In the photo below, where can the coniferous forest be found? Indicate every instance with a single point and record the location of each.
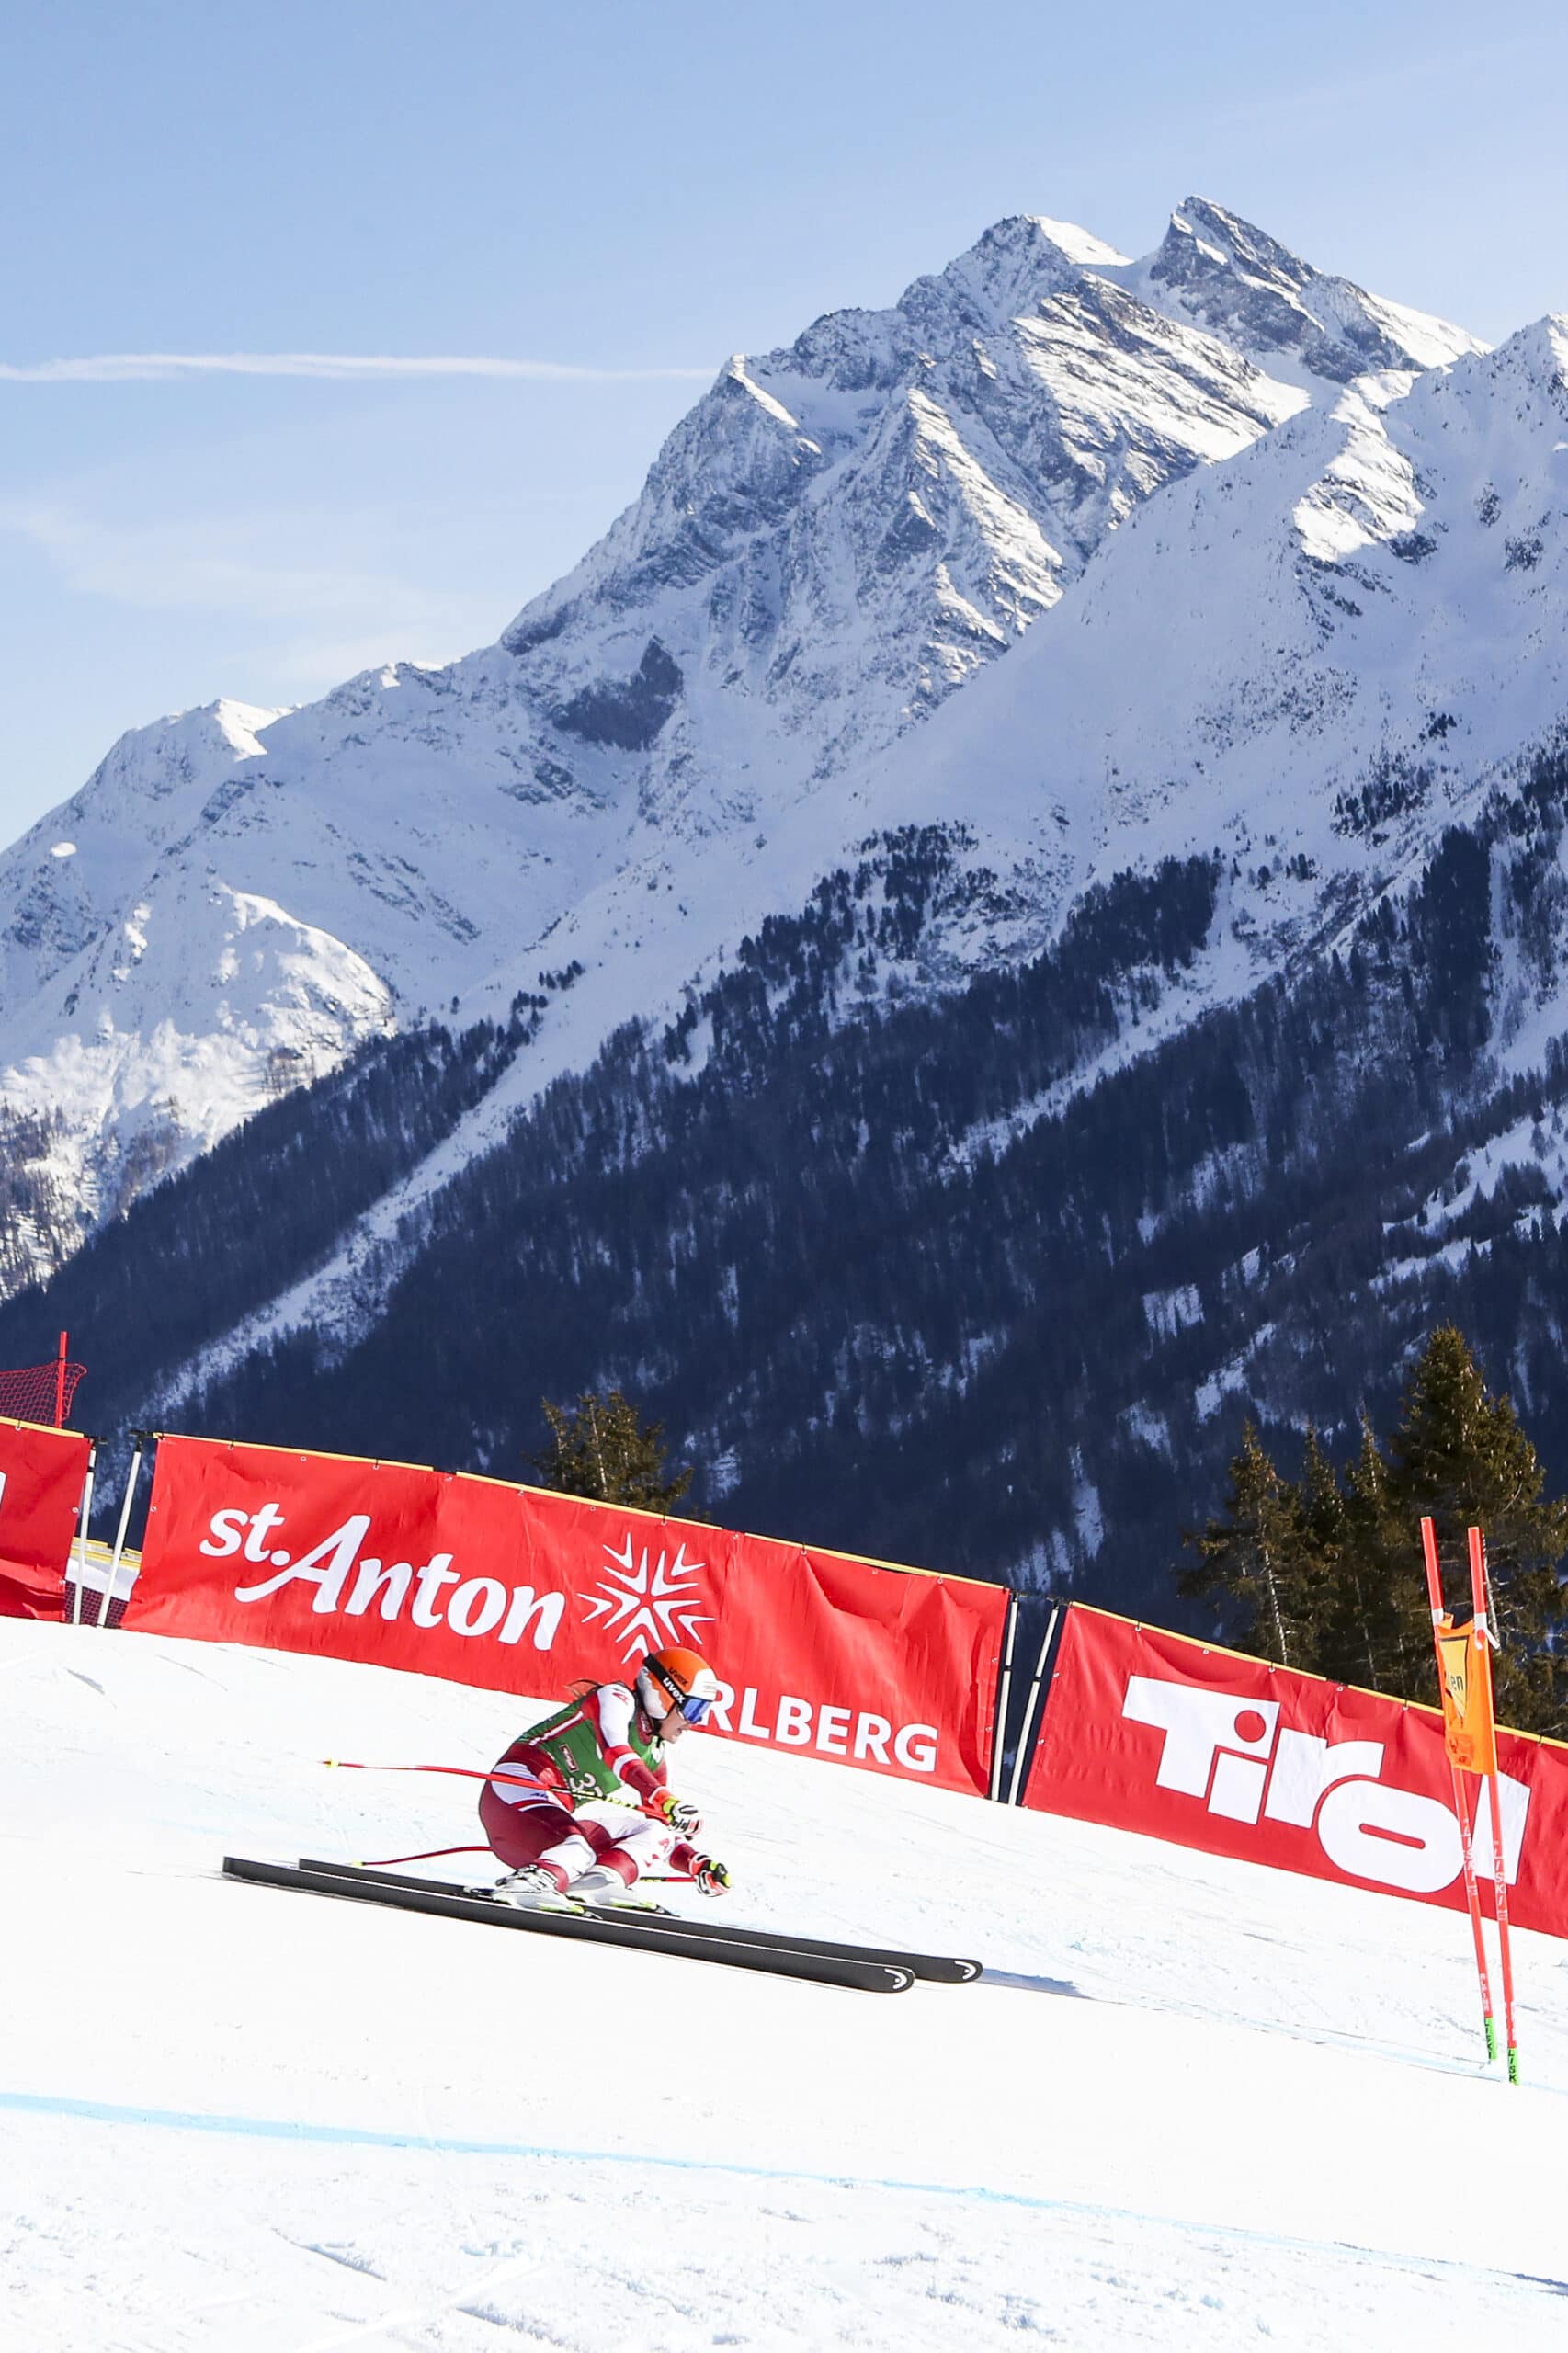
(1320, 1572)
(956, 1277)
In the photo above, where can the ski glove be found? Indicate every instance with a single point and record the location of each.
(712, 1878)
(678, 1813)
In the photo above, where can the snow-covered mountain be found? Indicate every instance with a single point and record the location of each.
(1314, 658)
(1213, 944)
(716, 705)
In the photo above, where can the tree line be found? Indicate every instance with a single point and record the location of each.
(1324, 1572)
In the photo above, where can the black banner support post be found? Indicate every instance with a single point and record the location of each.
(131, 1477)
(1004, 1688)
(82, 1530)
(1024, 1751)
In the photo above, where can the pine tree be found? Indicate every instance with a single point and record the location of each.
(1374, 1632)
(1460, 1456)
(1323, 1505)
(1328, 1576)
(601, 1449)
(1258, 1557)
(1326, 1523)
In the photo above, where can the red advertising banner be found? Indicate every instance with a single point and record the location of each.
(1147, 1731)
(42, 1474)
(517, 1590)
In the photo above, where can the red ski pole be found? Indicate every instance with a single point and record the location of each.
(467, 1773)
(1441, 1625)
(1483, 1639)
(462, 1773)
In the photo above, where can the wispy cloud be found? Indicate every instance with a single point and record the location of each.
(285, 595)
(1452, 72)
(270, 565)
(167, 367)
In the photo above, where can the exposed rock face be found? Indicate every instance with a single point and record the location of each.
(1241, 285)
(678, 736)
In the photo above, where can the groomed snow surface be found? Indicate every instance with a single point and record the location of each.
(1198, 2105)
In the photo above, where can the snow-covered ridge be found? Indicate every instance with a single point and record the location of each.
(1220, 270)
(687, 729)
(1341, 639)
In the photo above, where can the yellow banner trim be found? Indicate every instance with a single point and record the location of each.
(518, 1487)
(1542, 1739)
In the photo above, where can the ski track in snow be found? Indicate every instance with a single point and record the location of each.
(239, 2120)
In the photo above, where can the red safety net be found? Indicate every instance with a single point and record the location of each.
(34, 1393)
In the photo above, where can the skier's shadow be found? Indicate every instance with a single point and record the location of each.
(1008, 1977)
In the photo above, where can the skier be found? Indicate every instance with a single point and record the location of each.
(580, 1806)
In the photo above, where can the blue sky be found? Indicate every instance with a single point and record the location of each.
(630, 192)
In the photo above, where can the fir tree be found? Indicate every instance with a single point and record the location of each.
(1460, 1456)
(1258, 1557)
(601, 1449)
(1325, 1521)
(1323, 1505)
(1328, 1576)
(1374, 1629)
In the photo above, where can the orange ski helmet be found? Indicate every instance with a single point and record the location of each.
(676, 1683)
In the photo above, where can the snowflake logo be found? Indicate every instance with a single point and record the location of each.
(647, 1603)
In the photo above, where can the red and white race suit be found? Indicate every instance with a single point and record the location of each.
(531, 1813)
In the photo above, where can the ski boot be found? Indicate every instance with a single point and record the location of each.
(533, 1887)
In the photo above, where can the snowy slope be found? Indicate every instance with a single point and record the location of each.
(1312, 659)
(1197, 2105)
(1341, 640)
(837, 537)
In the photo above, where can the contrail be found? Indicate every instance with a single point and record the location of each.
(153, 367)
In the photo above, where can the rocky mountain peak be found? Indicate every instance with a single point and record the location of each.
(838, 536)
(1005, 274)
(1204, 239)
(1221, 271)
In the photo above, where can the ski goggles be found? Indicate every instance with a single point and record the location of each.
(696, 1711)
